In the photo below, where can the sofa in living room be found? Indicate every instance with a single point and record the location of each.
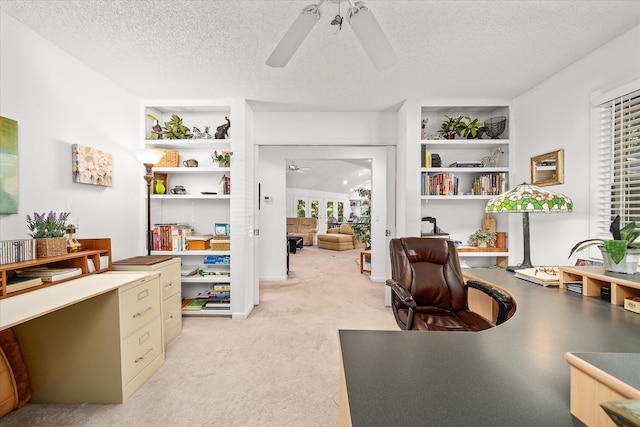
(340, 239)
(303, 227)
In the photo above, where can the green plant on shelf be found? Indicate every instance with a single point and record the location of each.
(483, 237)
(623, 239)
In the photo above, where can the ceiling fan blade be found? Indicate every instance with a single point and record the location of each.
(294, 36)
(371, 36)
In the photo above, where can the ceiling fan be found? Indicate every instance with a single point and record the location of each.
(364, 25)
(295, 168)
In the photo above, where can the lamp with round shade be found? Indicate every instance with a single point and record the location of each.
(526, 198)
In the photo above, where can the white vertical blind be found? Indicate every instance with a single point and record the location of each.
(618, 188)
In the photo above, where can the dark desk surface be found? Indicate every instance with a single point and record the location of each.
(513, 374)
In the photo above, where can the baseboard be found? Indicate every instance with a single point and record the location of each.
(272, 278)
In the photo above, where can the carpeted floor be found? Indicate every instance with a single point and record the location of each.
(280, 367)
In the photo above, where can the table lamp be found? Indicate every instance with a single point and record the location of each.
(149, 157)
(527, 198)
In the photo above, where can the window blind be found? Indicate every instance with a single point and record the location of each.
(618, 190)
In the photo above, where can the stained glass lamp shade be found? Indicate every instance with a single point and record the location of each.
(527, 198)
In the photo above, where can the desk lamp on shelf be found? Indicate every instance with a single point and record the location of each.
(149, 157)
(526, 198)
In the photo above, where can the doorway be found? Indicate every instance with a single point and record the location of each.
(272, 216)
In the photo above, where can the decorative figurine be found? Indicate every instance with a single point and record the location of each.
(493, 159)
(196, 133)
(207, 135)
(222, 131)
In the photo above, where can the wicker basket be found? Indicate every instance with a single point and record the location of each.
(52, 246)
(169, 160)
(221, 243)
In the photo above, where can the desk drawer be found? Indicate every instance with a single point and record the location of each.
(139, 305)
(140, 349)
(170, 280)
(172, 317)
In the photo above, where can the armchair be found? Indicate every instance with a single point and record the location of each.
(429, 292)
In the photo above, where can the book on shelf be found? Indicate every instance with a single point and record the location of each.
(16, 284)
(193, 304)
(188, 270)
(12, 251)
(543, 276)
(171, 236)
(50, 274)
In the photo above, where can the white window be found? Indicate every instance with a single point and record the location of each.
(618, 160)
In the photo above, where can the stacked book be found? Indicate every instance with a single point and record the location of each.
(30, 277)
(217, 260)
(574, 286)
(218, 294)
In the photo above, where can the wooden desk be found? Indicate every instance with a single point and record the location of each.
(595, 278)
(513, 374)
(95, 339)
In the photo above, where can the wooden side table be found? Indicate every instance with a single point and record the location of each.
(364, 256)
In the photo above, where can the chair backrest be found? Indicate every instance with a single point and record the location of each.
(429, 269)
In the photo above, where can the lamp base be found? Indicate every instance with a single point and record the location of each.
(522, 266)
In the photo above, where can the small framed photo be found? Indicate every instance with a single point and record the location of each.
(221, 229)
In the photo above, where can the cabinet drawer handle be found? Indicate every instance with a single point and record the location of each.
(143, 294)
(168, 285)
(169, 319)
(143, 356)
(140, 313)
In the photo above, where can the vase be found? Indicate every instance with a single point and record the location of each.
(628, 265)
(159, 186)
(51, 246)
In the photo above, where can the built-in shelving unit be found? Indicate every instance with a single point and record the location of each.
(204, 203)
(460, 211)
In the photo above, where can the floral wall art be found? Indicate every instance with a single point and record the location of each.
(8, 166)
(91, 166)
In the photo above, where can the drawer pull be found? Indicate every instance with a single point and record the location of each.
(169, 319)
(141, 313)
(143, 356)
(143, 294)
(168, 285)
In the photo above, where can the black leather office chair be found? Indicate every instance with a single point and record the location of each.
(429, 292)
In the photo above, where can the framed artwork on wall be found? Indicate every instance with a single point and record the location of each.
(91, 166)
(8, 166)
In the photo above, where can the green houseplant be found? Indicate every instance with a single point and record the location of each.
(224, 159)
(482, 238)
(472, 128)
(452, 127)
(617, 248)
(174, 129)
(362, 230)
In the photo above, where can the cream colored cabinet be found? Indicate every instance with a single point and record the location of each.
(98, 349)
(170, 288)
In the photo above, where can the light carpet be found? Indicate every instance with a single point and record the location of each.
(280, 367)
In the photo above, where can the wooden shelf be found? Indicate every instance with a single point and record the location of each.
(93, 250)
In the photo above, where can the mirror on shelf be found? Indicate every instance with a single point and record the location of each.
(548, 169)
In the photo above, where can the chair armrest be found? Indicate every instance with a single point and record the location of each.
(405, 297)
(505, 303)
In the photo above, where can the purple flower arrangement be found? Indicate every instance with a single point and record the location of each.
(43, 226)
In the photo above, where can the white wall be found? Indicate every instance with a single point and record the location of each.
(58, 102)
(554, 115)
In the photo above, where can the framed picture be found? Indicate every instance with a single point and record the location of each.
(91, 166)
(8, 166)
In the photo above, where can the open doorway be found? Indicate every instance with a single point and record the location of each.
(271, 174)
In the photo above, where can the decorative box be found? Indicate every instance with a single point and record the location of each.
(632, 304)
(51, 246)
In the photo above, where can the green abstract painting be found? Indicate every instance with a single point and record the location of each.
(8, 166)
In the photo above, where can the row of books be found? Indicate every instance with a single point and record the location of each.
(217, 260)
(490, 184)
(17, 250)
(171, 237)
(429, 159)
(31, 277)
(442, 184)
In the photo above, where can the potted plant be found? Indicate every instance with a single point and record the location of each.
(48, 231)
(452, 127)
(223, 159)
(174, 129)
(483, 238)
(621, 253)
(362, 229)
(472, 128)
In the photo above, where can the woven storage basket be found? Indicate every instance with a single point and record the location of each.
(221, 243)
(169, 160)
(52, 246)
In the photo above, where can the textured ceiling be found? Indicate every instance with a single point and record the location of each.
(179, 49)
(217, 49)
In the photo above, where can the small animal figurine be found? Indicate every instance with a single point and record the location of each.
(222, 131)
(196, 133)
(207, 135)
(493, 159)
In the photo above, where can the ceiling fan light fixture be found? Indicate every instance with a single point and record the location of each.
(370, 35)
(294, 36)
